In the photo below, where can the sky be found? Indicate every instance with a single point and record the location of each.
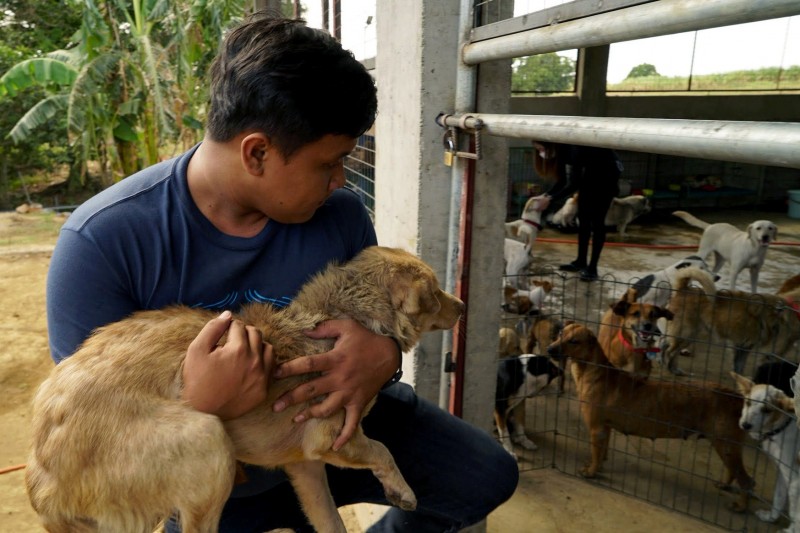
(769, 43)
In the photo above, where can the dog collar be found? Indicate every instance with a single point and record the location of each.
(770, 434)
(794, 306)
(628, 345)
(532, 223)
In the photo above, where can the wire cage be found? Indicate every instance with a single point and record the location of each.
(681, 474)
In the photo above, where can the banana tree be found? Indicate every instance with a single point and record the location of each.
(131, 87)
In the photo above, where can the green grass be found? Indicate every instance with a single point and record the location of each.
(765, 79)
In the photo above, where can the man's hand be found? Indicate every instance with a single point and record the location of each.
(231, 379)
(352, 374)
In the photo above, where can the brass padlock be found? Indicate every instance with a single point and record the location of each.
(449, 148)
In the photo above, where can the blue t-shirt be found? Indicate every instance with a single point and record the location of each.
(144, 244)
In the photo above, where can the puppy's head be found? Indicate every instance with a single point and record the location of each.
(419, 303)
(763, 232)
(639, 321)
(765, 407)
(576, 342)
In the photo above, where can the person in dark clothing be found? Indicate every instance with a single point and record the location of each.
(594, 173)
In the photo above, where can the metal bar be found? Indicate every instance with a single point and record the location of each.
(647, 20)
(760, 143)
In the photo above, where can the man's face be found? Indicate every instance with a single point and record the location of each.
(293, 190)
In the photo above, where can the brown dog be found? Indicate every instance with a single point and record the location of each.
(743, 319)
(115, 448)
(629, 334)
(544, 331)
(612, 399)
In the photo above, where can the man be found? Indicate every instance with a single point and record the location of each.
(250, 214)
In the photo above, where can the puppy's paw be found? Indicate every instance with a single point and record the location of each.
(405, 500)
(767, 515)
(588, 472)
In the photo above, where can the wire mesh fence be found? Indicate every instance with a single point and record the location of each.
(687, 473)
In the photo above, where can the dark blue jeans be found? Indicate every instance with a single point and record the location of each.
(458, 473)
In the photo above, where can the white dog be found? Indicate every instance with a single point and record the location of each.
(656, 288)
(520, 236)
(567, 216)
(767, 416)
(622, 211)
(527, 227)
(744, 249)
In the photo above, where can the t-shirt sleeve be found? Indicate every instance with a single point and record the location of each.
(83, 293)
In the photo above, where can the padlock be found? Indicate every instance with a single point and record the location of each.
(448, 159)
(449, 147)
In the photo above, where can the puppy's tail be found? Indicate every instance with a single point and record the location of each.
(687, 275)
(691, 219)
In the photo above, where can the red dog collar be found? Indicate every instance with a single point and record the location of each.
(629, 346)
(532, 223)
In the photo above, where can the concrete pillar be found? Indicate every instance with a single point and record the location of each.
(415, 71)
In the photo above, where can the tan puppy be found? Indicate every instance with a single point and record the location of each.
(610, 399)
(629, 334)
(742, 319)
(744, 249)
(544, 331)
(509, 343)
(116, 449)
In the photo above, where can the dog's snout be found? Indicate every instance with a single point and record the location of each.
(746, 426)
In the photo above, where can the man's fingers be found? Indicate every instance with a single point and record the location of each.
(302, 393)
(302, 365)
(351, 419)
(213, 331)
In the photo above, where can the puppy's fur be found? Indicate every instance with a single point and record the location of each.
(629, 334)
(742, 319)
(768, 415)
(744, 249)
(790, 285)
(623, 211)
(116, 449)
(567, 214)
(526, 302)
(527, 227)
(519, 378)
(509, 343)
(611, 399)
(656, 288)
(544, 331)
(517, 257)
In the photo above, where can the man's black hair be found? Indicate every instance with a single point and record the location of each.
(291, 82)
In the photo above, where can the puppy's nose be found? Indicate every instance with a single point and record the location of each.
(746, 425)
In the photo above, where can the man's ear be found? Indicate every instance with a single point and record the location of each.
(255, 148)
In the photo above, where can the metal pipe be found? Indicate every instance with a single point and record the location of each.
(466, 81)
(760, 143)
(664, 17)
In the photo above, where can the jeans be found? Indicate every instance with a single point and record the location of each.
(458, 473)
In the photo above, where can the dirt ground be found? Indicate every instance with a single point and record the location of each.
(546, 500)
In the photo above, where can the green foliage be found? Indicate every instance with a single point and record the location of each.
(544, 73)
(643, 70)
(763, 79)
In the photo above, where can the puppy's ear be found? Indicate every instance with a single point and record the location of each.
(742, 383)
(621, 307)
(785, 403)
(412, 296)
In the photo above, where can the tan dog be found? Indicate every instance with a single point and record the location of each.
(744, 249)
(116, 449)
(629, 334)
(543, 332)
(509, 343)
(610, 399)
(742, 319)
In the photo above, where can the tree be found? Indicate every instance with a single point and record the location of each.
(544, 73)
(643, 70)
(131, 84)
